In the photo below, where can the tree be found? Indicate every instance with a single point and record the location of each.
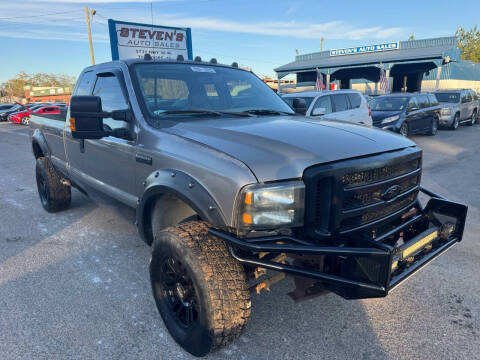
(411, 37)
(15, 87)
(469, 43)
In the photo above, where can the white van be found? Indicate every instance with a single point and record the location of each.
(344, 105)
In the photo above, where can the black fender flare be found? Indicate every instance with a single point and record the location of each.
(39, 143)
(184, 187)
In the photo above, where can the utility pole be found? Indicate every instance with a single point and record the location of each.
(321, 43)
(90, 33)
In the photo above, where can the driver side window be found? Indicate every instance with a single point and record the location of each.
(109, 89)
(325, 103)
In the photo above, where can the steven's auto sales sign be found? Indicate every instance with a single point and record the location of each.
(132, 40)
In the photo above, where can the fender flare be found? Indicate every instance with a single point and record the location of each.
(184, 187)
(38, 140)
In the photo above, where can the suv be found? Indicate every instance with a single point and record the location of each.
(406, 113)
(344, 105)
(458, 106)
(227, 183)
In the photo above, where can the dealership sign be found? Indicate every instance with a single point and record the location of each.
(133, 40)
(365, 49)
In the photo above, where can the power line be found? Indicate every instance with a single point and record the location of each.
(39, 15)
(16, 24)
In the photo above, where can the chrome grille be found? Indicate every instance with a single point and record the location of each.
(346, 196)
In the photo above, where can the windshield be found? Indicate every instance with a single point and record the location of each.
(170, 90)
(387, 103)
(308, 100)
(448, 97)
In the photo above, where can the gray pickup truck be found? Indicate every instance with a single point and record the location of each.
(234, 190)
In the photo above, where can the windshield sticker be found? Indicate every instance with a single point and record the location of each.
(202, 69)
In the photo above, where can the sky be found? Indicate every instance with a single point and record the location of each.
(50, 35)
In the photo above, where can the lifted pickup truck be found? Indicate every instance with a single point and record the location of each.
(234, 191)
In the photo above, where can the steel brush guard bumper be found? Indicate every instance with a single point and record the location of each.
(367, 271)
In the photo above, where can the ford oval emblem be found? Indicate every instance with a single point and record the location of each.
(391, 193)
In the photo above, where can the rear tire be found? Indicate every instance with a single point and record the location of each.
(201, 292)
(404, 130)
(54, 194)
(456, 122)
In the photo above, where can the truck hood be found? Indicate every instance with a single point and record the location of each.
(282, 147)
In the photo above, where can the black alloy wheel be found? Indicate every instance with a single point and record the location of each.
(176, 288)
(404, 129)
(43, 191)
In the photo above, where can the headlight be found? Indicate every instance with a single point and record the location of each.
(390, 119)
(447, 111)
(271, 206)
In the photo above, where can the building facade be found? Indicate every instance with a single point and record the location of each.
(408, 66)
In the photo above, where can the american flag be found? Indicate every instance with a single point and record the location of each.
(383, 81)
(319, 84)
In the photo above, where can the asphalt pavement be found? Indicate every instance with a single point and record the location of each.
(75, 285)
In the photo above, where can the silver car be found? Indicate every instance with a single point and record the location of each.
(458, 106)
(345, 105)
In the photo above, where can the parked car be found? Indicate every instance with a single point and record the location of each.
(227, 182)
(344, 105)
(23, 116)
(4, 113)
(458, 106)
(407, 114)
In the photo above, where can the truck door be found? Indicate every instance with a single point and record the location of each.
(109, 163)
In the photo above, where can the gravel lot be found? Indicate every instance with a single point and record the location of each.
(75, 285)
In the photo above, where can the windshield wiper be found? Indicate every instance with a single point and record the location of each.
(203, 112)
(266, 112)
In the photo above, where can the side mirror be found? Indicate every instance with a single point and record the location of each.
(86, 118)
(319, 111)
(299, 106)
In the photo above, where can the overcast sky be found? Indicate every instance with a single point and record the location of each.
(50, 36)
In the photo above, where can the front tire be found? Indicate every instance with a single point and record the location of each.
(404, 130)
(456, 122)
(55, 195)
(201, 292)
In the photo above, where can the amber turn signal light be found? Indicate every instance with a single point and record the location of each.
(72, 124)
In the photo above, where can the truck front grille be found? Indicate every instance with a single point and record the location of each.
(353, 194)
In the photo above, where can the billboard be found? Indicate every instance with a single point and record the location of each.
(132, 40)
(365, 49)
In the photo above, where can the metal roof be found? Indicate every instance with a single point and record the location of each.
(425, 49)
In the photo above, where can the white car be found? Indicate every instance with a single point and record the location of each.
(343, 105)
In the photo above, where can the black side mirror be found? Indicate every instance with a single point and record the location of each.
(299, 106)
(86, 118)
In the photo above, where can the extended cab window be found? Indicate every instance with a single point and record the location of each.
(109, 89)
(341, 102)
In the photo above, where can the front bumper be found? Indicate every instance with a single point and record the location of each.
(371, 270)
(446, 119)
